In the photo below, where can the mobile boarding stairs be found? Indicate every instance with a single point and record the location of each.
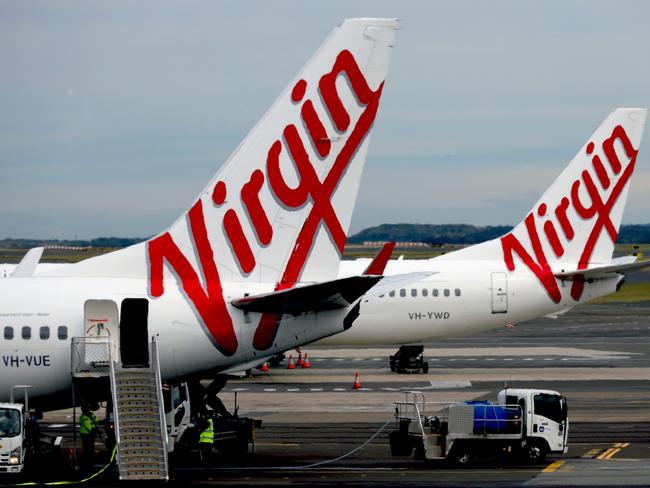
(138, 409)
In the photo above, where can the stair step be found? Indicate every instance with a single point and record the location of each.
(153, 433)
(139, 413)
(136, 404)
(129, 445)
(142, 450)
(136, 382)
(156, 462)
(148, 436)
(130, 459)
(154, 475)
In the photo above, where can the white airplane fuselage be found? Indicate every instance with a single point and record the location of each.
(467, 301)
(184, 347)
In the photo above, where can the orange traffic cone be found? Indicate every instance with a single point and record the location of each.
(291, 365)
(305, 363)
(265, 367)
(357, 384)
(299, 362)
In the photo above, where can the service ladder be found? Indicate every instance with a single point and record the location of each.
(139, 419)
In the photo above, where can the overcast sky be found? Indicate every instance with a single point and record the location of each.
(114, 114)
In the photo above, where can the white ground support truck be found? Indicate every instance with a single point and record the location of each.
(524, 422)
(20, 438)
(12, 436)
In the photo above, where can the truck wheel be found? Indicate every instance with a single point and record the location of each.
(460, 455)
(425, 368)
(535, 452)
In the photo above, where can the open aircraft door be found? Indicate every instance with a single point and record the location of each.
(134, 333)
(499, 293)
(101, 322)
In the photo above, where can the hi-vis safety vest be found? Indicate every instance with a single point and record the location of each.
(87, 424)
(207, 436)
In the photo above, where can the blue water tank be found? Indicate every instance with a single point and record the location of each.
(488, 418)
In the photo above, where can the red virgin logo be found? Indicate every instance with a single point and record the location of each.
(208, 301)
(597, 212)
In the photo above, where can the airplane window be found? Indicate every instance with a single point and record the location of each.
(9, 333)
(434, 292)
(457, 292)
(381, 296)
(425, 292)
(402, 292)
(62, 332)
(45, 333)
(414, 292)
(446, 292)
(27, 332)
(392, 293)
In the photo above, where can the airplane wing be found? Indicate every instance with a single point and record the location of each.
(328, 295)
(27, 265)
(619, 266)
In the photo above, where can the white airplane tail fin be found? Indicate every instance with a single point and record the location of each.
(280, 208)
(576, 221)
(578, 217)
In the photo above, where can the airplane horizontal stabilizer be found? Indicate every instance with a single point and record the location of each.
(27, 265)
(604, 271)
(328, 295)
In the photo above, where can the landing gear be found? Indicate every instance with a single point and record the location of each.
(202, 396)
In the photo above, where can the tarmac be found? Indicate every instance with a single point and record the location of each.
(314, 422)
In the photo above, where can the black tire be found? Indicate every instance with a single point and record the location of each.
(535, 452)
(460, 455)
(425, 368)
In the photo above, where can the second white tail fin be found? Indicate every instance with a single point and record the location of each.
(576, 221)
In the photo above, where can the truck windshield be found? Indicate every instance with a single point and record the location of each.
(550, 406)
(9, 422)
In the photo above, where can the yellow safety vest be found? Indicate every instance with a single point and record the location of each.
(207, 436)
(87, 424)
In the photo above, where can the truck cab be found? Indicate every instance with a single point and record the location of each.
(12, 436)
(545, 419)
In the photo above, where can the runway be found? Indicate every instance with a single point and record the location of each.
(598, 356)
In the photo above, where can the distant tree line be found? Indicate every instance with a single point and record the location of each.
(428, 233)
(468, 234)
(97, 242)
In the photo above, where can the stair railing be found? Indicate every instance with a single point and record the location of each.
(155, 363)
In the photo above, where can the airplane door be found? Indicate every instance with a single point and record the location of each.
(499, 293)
(100, 320)
(134, 333)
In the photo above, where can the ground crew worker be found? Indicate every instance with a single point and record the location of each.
(87, 432)
(206, 439)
